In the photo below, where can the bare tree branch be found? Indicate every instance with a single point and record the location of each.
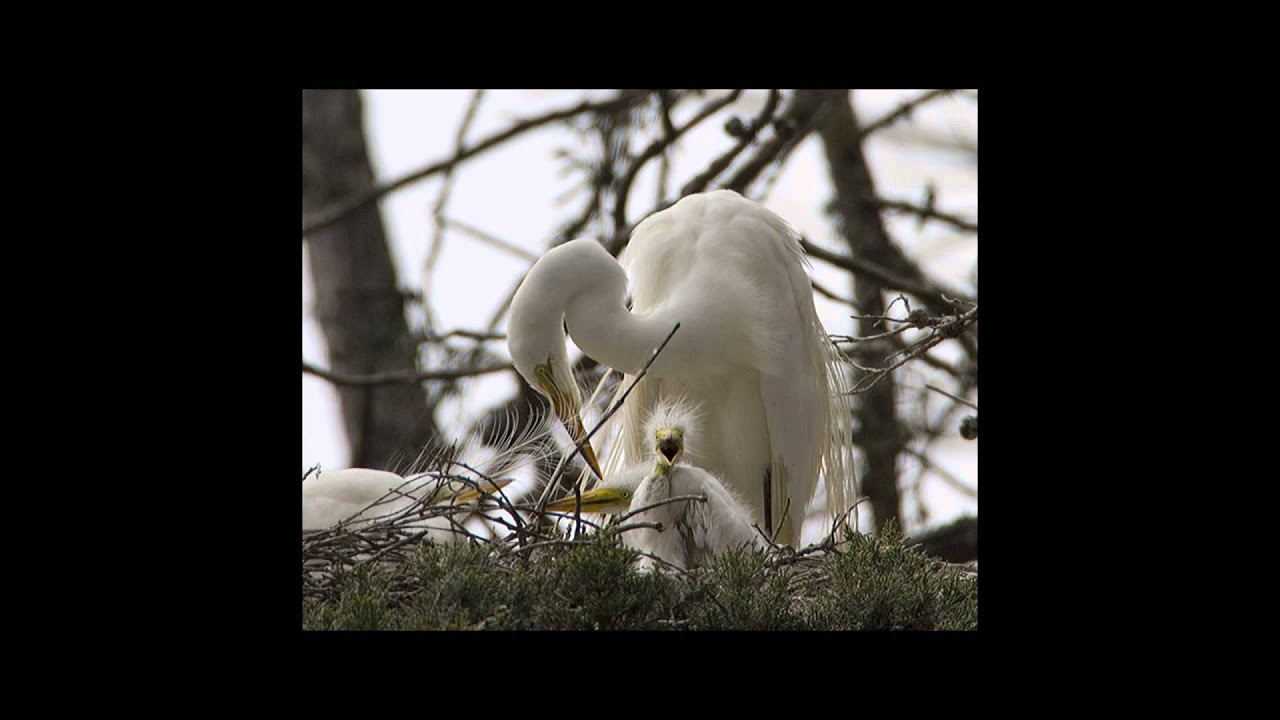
(476, 335)
(941, 329)
(927, 212)
(491, 240)
(882, 275)
(747, 135)
(437, 213)
(408, 377)
(953, 397)
(796, 122)
(332, 214)
(904, 110)
(942, 474)
(623, 189)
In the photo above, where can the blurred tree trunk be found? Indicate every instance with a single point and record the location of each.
(877, 431)
(357, 301)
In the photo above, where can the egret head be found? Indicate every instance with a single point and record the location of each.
(611, 497)
(671, 422)
(536, 339)
(669, 445)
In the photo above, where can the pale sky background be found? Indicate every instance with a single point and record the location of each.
(511, 192)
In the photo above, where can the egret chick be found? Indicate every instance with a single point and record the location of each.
(693, 532)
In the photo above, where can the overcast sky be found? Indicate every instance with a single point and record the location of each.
(512, 192)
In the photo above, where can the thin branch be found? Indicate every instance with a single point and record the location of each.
(822, 290)
(341, 209)
(903, 110)
(880, 274)
(489, 239)
(437, 213)
(941, 329)
(927, 212)
(953, 397)
(796, 123)
(395, 377)
(477, 335)
(943, 474)
(717, 166)
(623, 189)
(677, 498)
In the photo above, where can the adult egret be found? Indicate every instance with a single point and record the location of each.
(692, 531)
(365, 496)
(355, 493)
(750, 352)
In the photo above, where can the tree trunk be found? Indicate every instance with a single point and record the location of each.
(877, 429)
(357, 301)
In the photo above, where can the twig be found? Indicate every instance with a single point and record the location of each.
(941, 329)
(437, 213)
(491, 240)
(799, 119)
(927, 212)
(394, 377)
(943, 474)
(847, 339)
(619, 529)
(677, 498)
(477, 335)
(341, 209)
(785, 509)
(903, 110)
(623, 188)
(829, 294)
(717, 166)
(877, 273)
(953, 397)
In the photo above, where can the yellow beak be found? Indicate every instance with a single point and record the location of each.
(600, 500)
(470, 495)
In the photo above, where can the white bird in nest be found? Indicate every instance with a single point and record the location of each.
(692, 531)
(363, 496)
(751, 351)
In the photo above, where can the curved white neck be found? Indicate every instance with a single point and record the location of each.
(602, 326)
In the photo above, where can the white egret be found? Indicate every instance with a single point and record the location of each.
(351, 494)
(692, 531)
(751, 351)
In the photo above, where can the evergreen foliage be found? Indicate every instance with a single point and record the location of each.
(861, 583)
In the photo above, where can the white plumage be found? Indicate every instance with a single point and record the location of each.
(750, 351)
(351, 494)
(332, 496)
